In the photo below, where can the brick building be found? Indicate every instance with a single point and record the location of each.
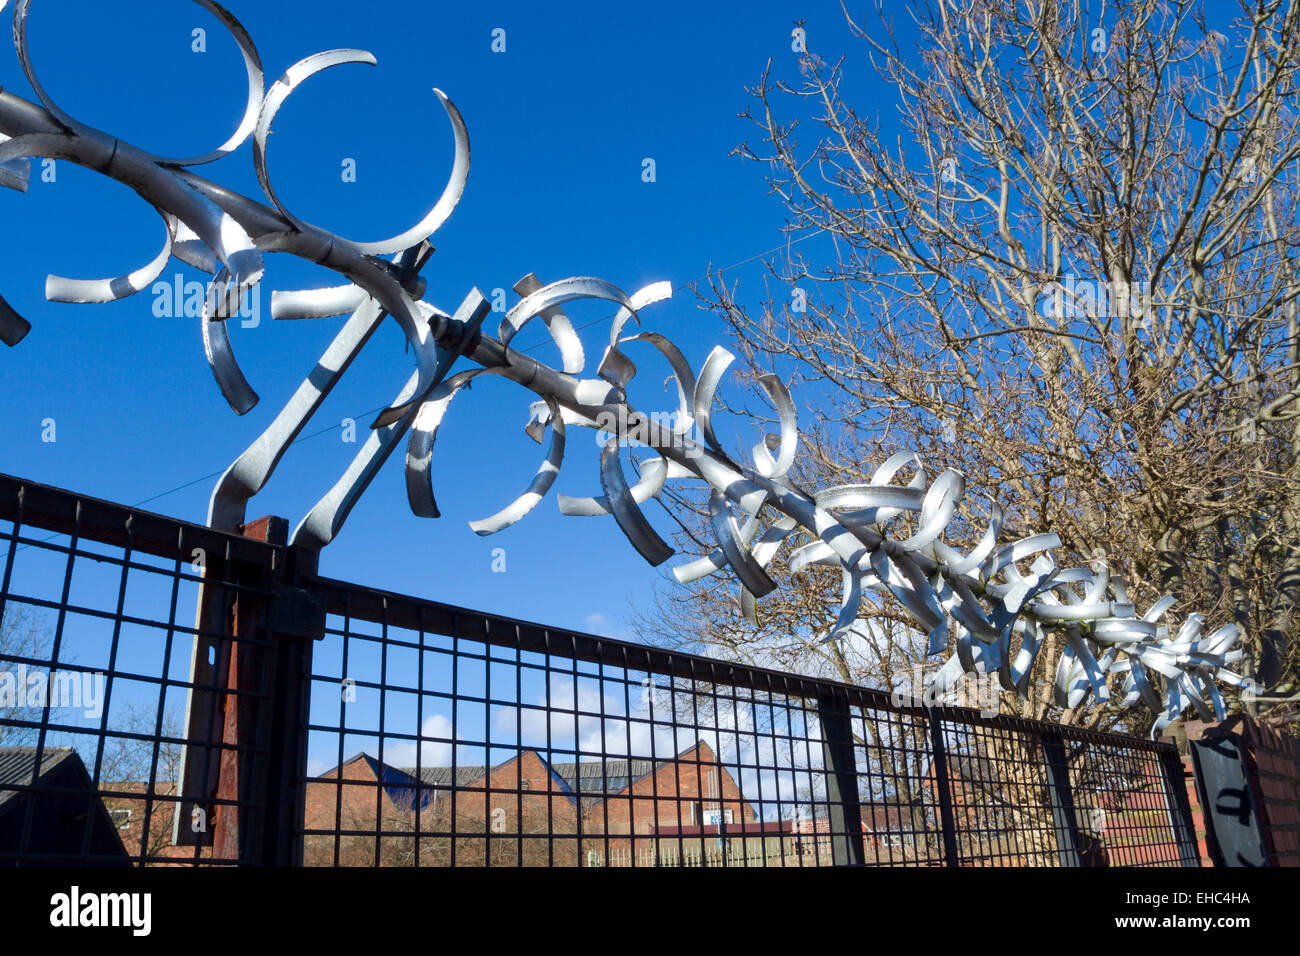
(158, 808)
(524, 810)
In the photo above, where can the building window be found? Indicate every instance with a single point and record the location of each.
(121, 818)
(524, 785)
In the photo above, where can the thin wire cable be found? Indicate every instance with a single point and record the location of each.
(529, 348)
(536, 345)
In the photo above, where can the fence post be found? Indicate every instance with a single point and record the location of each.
(244, 708)
(297, 621)
(263, 731)
(939, 758)
(1064, 818)
(847, 847)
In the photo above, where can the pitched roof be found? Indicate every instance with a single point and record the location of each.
(441, 776)
(590, 780)
(16, 764)
(975, 768)
(605, 777)
(62, 827)
(589, 775)
(894, 815)
(619, 775)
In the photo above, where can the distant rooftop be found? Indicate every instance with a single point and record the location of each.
(16, 765)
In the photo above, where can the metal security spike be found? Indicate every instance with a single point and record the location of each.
(988, 608)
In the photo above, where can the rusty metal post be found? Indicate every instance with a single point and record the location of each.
(297, 622)
(246, 734)
(206, 721)
(247, 676)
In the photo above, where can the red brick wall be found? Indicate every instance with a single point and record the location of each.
(1273, 769)
(626, 823)
(514, 827)
(1277, 774)
(159, 841)
(1198, 812)
(353, 808)
(350, 801)
(664, 798)
(537, 827)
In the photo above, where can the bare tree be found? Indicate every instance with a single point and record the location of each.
(139, 762)
(22, 638)
(1060, 261)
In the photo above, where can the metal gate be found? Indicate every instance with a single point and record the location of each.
(174, 695)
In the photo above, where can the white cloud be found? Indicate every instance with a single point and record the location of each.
(598, 623)
(433, 753)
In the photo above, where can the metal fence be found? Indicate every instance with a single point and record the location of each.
(97, 640)
(209, 699)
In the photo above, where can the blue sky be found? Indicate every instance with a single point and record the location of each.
(560, 124)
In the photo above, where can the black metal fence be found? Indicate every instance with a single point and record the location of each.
(208, 699)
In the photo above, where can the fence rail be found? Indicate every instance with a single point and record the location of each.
(304, 720)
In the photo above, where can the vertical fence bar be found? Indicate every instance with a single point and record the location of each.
(939, 761)
(260, 707)
(1179, 810)
(246, 719)
(200, 757)
(841, 781)
(1065, 819)
(297, 621)
(272, 666)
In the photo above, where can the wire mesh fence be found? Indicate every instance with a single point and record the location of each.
(443, 737)
(103, 700)
(208, 699)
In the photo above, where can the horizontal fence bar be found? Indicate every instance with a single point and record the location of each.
(482, 739)
(86, 604)
(400, 610)
(58, 511)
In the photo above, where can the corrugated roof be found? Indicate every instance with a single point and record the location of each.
(16, 765)
(588, 775)
(593, 779)
(588, 772)
(608, 776)
(441, 776)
